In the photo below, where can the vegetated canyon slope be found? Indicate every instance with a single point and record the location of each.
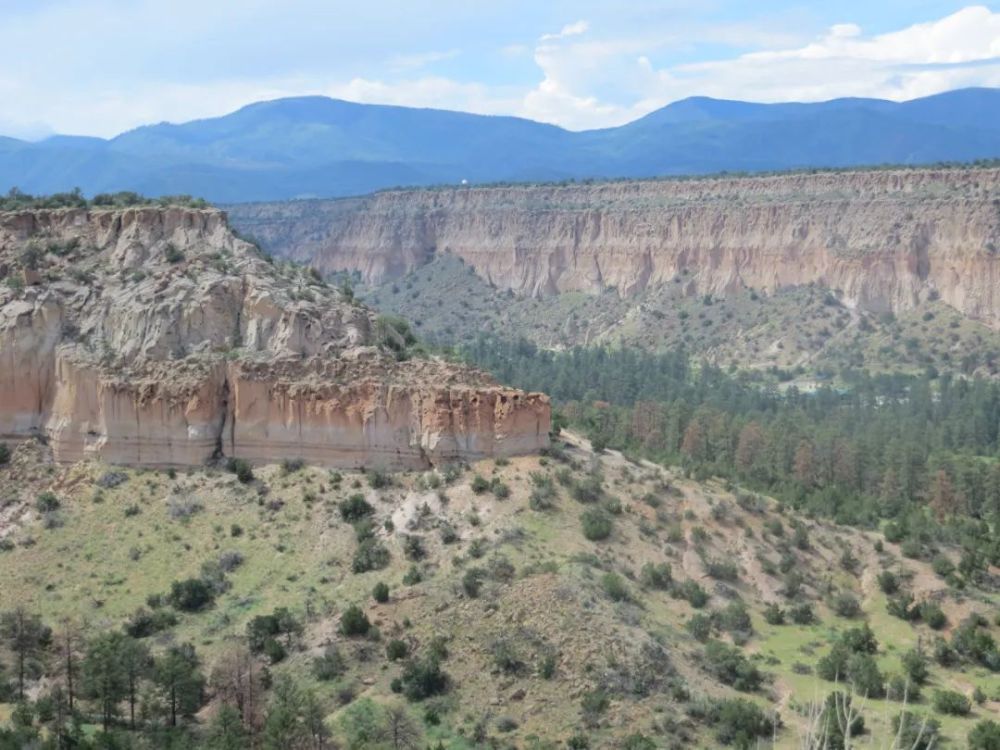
(569, 596)
(154, 336)
(617, 260)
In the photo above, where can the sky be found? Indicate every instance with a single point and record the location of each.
(100, 67)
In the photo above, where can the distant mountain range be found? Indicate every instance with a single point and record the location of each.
(319, 147)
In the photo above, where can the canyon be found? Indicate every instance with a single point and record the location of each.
(154, 336)
(883, 241)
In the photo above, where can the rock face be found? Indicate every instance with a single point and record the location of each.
(154, 336)
(884, 240)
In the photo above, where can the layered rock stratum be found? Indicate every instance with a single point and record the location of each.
(883, 240)
(155, 336)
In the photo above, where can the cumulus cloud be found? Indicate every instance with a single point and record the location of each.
(962, 49)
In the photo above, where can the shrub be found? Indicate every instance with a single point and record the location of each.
(728, 665)
(846, 605)
(111, 479)
(505, 656)
(588, 489)
(901, 605)
(701, 627)
(615, 588)
(4, 454)
(230, 561)
(380, 592)
(944, 654)
(902, 689)
(802, 614)
(865, 677)
(597, 525)
(774, 615)
(723, 570)
(942, 566)
(692, 591)
(190, 595)
(171, 254)
(370, 555)
(378, 479)
(47, 502)
(479, 484)
(860, 640)
(355, 508)
(423, 678)
(329, 665)
(915, 666)
(932, 615)
(413, 576)
(506, 724)
(292, 465)
(144, 623)
(734, 618)
(740, 722)
(264, 631)
(472, 581)
(951, 702)
(985, 736)
(354, 622)
(543, 492)
(241, 468)
(593, 704)
(888, 582)
(364, 529)
(656, 576)
(396, 650)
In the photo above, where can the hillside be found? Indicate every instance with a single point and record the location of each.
(886, 269)
(319, 147)
(570, 599)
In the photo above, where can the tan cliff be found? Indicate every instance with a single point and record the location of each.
(884, 239)
(154, 336)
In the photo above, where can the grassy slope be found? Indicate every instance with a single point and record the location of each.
(102, 563)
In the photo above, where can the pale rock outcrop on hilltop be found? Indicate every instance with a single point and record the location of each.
(885, 240)
(154, 336)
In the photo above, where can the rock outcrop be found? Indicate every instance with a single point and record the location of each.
(884, 240)
(154, 336)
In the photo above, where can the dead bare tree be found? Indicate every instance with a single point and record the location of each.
(237, 681)
(831, 723)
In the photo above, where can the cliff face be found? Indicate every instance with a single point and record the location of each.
(884, 239)
(155, 337)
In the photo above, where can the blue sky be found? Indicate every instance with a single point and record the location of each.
(98, 67)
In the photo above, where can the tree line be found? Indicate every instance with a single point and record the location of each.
(915, 454)
(139, 697)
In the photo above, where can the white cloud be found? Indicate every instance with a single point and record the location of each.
(962, 49)
(570, 29)
(845, 30)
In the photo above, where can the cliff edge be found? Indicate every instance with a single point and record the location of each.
(154, 336)
(883, 240)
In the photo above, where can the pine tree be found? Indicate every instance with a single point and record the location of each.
(27, 638)
(104, 679)
(180, 682)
